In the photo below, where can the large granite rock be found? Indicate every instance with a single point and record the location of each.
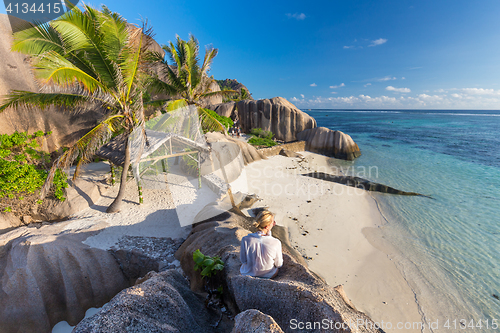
(8, 221)
(231, 153)
(233, 85)
(45, 279)
(225, 109)
(295, 294)
(276, 115)
(254, 321)
(80, 194)
(325, 141)
(162, 303)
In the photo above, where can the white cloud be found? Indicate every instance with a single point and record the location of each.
(401, 90)
(461, 99)
(313, 85)
(480, 91)
(366, 85)
(348, 47)
(334, 92)
(340, 85)
(403, 78)
(302, 95)
(297, 16)
(377, 42)
(386, 78)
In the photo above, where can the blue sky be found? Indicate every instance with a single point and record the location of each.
(344, 54)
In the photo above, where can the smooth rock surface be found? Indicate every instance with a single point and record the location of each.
(327, 142)
(231, 153)
(296, 293)
(289, 153)
(162, 303)
(9, 221)
(254, 321)
(45, 279)
(80, 194)
(225, 109)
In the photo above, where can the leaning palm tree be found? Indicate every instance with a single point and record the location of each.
(87, 58)
(185, 80)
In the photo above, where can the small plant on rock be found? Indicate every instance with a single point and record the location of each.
(208, 265)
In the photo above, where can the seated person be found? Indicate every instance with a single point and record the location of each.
(260, 252)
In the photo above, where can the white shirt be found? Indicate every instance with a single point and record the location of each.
(260, 255)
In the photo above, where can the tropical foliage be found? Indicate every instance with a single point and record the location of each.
(185, 80)
(207, 265)
(23, 168)
(87, 59)
(261, 138)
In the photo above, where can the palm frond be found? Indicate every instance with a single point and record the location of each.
(218, 93)
(53, 66)
(37, 40)
(81, 31)
(84, 148)
(177, 104)
(19, 98)
(209, 123)
(132, 61)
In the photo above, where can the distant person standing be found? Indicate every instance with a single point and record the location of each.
(260, 252)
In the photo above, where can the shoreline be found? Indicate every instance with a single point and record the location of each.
(338, 229)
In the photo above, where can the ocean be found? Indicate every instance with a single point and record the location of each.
(448, 245)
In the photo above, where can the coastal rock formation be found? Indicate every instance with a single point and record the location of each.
(8, 221)
(79, 195)
(276, 115)
(225, 109)
(233, 154)
(163, 302)
(289, 153)
(360, 183)
(324, 141)
(213, 87)
(254, 321)
(296, 293)
(45, 279)
(233, 84)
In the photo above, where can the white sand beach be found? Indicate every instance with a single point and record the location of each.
(329, 224)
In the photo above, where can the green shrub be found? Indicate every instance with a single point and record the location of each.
(22, 167)
(226, 121)
(255, 141)
(260, 133)
(261, 138)
(208, 265)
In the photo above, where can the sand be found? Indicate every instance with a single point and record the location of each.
(338, 229)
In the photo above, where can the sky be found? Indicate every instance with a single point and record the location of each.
(395, 54)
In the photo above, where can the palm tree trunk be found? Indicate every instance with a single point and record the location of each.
(116, 205)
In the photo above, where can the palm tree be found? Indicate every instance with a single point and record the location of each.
(88, 59)
(185, 80)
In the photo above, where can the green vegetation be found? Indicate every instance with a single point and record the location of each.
(186, 78)
(261, 138)
(226, 121)
(23, 168)
(91, 59)
(207, 265)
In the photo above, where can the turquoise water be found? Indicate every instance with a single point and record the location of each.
(449, 245)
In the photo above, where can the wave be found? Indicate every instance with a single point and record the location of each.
(444, 113)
